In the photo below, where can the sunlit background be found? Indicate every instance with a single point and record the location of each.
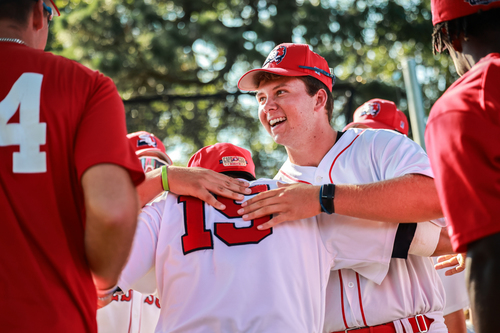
(176, 63)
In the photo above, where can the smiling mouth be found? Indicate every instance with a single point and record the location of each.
(276, 121)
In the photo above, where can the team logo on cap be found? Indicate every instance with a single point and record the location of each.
(370, 109)
(479, 2)
(276, 55)
(233, 161)
(146, 140)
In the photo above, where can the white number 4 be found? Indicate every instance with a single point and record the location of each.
(29, 133)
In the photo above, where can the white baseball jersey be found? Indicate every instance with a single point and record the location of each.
(218, 273)
(132, 312)
(412, 285)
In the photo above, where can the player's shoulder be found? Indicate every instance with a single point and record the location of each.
(491, 74)
(368, 137)
(160, 204)
(489, 64)
(71, 69)
(468, 92)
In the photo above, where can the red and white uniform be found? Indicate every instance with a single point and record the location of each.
(218, 273)
(463, 141)
(132, 312)
(412, 285)
(55, 118)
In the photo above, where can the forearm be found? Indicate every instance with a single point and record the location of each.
(151, 187)
(410, 198)
(444, 245)
(108, 243)
(111, 207)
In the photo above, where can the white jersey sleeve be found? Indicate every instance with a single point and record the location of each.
(142, 258)
(425, 240)
(370, 258)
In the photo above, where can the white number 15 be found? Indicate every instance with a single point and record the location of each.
(29, 133)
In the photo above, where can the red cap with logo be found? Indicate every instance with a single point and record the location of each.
(290, 59)
(446, 10)
(380, 113)
(222, 157)
(146, 143)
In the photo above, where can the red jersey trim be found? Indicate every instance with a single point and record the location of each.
(131, 311)
(360, 301)
(343, 150)
(342, 299)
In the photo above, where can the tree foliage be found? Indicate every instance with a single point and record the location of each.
(176, 63)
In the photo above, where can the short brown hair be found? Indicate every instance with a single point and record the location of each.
(312, 87)
(16, 10)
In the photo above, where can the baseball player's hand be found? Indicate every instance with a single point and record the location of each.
(457, 261)
(200, 183)
(286, 203)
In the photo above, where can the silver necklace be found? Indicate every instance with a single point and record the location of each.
(14, 40)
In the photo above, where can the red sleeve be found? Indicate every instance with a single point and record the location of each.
(101, 136)
(464, 149)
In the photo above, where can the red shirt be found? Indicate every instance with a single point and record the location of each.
(463, 142)
(57, 119)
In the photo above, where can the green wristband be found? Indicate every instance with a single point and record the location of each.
(164, 178)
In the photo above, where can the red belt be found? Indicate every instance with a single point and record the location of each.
(419, 323)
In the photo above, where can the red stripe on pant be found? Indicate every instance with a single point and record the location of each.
(419, 323)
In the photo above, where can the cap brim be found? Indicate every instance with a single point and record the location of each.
(246, 82)
(55, 7)
(152, 151)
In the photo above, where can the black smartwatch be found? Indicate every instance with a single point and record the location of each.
(326, 196)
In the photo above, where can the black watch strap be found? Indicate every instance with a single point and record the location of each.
(327, 194)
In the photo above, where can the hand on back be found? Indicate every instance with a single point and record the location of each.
(288, 202)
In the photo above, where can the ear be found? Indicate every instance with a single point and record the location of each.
(37, 15)
(321, 99)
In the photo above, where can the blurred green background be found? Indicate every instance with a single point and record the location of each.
(176, 63)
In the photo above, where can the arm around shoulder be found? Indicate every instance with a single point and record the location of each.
(409, 198)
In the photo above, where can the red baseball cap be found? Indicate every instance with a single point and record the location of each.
(146, 143)
(380, 113)
(446, 10)
(290, 59)
(222, 157)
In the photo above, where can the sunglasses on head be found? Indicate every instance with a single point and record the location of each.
(49, 11)
(149, 163)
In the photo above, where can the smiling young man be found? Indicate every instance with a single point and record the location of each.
(376, 175)
(307, 135)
